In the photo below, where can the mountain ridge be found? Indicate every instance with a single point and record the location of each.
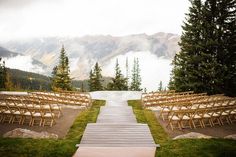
(84, 52)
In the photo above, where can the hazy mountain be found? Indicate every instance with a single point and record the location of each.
(85, 51)
(6, 54)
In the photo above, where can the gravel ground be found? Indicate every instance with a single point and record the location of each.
(216, 131)
(60, 128)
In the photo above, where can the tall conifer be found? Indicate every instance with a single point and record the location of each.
(61, 73)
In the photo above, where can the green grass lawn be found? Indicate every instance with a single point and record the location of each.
(51, 148)
(182, 147)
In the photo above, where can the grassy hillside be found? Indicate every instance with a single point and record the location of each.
(23, 80)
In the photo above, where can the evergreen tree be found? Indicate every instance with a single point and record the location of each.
(127, 70)
(188, 63)
(136, 78)
(53, 79)
(61, 73)
(82, 87)
(223, 14)
(95, 78)
(91, 81)
(98, 77)
(206, 62)
(8, 81)
(3, 74)
(160, 88)
(119, 82)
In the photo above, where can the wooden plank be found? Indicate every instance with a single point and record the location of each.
(116, 127)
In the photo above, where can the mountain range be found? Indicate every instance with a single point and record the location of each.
(84, 51)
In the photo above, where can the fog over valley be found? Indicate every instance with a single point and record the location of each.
(40, 55)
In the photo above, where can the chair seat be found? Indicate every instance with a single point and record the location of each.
(216, 114)
(194, 107)
(202, 106)
(196, 117)
(56, 108)
(37, 106)
(46, 107)
(37, 114)
(233, 112)
(166, 109)
(7, 112)
(186, 117)
(175, 118)
(225, 113)
(206, 116)
(175, 108)
(27, 114)
(184, 108)
(17, 112)
(48, 115)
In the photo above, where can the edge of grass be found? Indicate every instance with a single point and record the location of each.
(216, 147)
(148, 117)
(20, 147)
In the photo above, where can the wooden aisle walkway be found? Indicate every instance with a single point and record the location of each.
(116, 133)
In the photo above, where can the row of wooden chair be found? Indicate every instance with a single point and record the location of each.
(164, 94)
(83, 100)
(210, 115)
(192, 110)
(27, 111)
(157, 101)
(168, 108)
(38, 107)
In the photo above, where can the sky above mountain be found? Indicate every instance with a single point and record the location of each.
(43, 18)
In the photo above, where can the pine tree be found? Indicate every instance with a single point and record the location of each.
(160, 88)
(8, 81)
(61, 73)
(119, 82)
(127, 70)
(95, 78)
(188, 63)
(82, 87)
(3, 74)
(223, 14)
(53, 79)
(206, 62)
(136, 78)
(91, 81)
(219, 38)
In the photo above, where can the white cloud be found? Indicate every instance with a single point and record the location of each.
(81, 17)
(24, 63)
(153, 69)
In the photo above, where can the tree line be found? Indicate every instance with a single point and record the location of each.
(119, 81)
(207, 60)
(60, 80)
(61, 77)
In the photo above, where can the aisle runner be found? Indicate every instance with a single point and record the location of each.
(116, 133)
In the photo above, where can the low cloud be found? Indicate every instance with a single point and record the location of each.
(153, 69)
(24, 63)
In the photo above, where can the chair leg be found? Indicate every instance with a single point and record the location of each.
(179, 125)
(51, 123)
(171, 126)
(44, 122)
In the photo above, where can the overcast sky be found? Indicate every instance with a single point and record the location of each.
(43, 18)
